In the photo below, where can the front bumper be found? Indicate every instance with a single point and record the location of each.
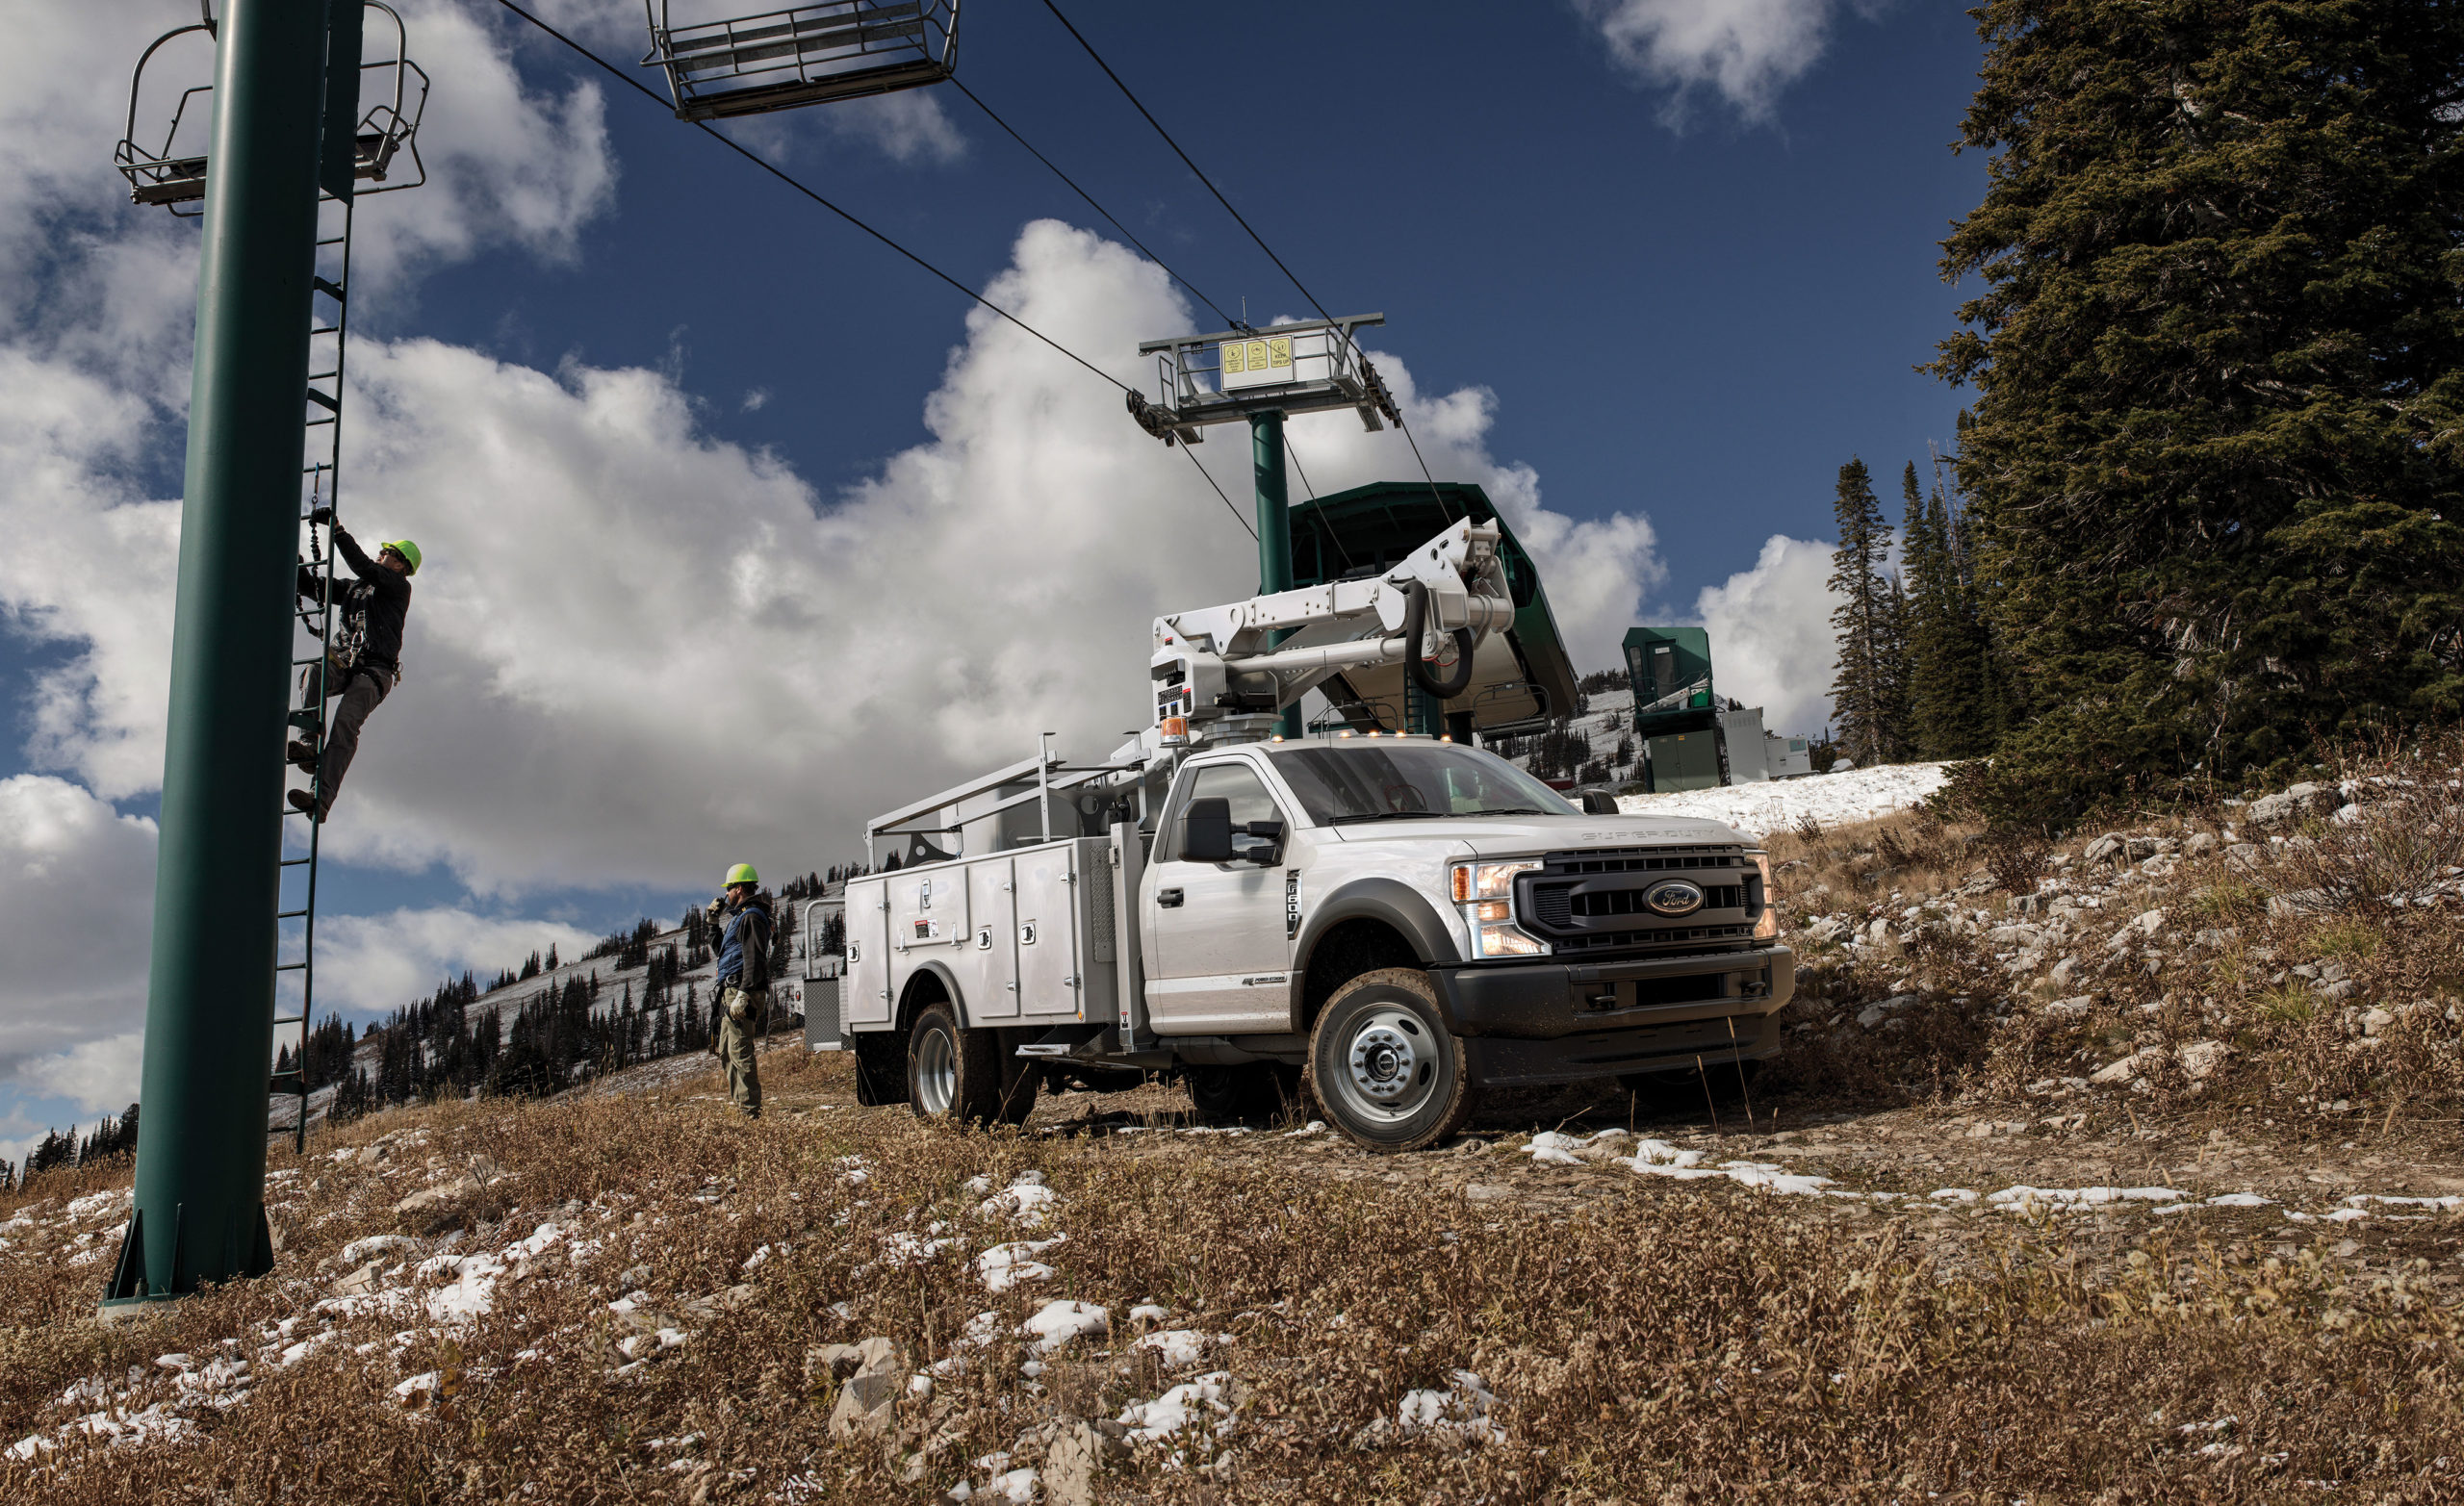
(1562, 1022)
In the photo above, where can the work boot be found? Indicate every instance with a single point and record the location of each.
(306, 804)
(303, 756)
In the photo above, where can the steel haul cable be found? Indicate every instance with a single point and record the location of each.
(638, 87)
(1444, 505)
(1124, 230)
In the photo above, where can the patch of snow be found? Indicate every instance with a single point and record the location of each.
(1180, 1348)
(1005, 1266)
(1461, 1410)
(1024, 1201)
(2071, 1200)
(1186, 1405)
(1781, 804)
(1056, 1323)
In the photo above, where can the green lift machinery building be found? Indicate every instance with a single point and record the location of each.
(1693, 738)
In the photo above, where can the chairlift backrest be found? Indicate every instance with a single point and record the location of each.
(719, 68)
(174, 174)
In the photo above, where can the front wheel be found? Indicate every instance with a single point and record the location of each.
(1383, 1067)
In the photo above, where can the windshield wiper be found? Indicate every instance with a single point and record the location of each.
(1514, 810)
(1384, 815)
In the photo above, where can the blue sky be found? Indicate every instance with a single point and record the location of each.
(715, 484)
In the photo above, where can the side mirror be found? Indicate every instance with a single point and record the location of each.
(1206, 832)
(1599, 803)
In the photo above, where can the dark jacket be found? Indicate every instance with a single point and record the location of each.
(744, 947)
(380, 597)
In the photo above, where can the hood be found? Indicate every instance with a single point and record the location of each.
(1515, 836)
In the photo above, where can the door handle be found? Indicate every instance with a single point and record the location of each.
(1169, 899)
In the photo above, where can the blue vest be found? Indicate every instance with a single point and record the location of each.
(732, 940)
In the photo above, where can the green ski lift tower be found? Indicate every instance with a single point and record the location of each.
(269, 157)
(1261, 376)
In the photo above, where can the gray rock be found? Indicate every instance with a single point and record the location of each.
(2374, 1021)
(2200, 1059)
(2075, 1007)
(361, 1282)
(2200, 844)
(1072, 1460)
(2105, 848)
(869, 1399)
(2127, 1068)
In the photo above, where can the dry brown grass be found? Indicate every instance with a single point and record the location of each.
(1678, 1344)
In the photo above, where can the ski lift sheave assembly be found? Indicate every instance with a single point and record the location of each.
(175, 178)
(811, 53)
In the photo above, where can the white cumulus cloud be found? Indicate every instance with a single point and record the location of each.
(1744, 51)
(76, 907)
(1771, 635)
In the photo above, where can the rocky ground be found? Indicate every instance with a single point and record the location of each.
(2046, 1200)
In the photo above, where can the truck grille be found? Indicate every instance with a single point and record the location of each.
(1595, 902)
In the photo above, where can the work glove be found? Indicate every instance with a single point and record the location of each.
(716, 911)
(321, 515)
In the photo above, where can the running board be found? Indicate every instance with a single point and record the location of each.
(1077, 1041)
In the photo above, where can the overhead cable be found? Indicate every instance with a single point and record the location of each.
(730, 145)
(1218, 491)
(1442, 504)
(1090, 198)
(756, 159)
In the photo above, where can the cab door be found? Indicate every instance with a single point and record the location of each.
(1219, 953)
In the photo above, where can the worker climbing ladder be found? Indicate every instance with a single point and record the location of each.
(315, 651)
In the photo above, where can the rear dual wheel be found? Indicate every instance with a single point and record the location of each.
(1384, 1068)
(963, 1075)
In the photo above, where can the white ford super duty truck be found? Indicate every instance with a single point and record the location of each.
(1388, 924)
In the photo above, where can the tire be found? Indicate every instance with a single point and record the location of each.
(1383, 1068)
(958, 1075)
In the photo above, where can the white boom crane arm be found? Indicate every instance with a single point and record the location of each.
(1216, 661)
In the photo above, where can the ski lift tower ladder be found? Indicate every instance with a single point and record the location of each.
(363, 153)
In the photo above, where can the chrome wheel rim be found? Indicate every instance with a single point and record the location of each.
(1390, 1066)
(937, 1071)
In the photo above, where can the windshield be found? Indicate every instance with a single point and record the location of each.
(1361, 780)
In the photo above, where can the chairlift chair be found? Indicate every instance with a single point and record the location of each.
(805, 54)
(174, 179)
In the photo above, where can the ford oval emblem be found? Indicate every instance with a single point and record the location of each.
(1674, 897)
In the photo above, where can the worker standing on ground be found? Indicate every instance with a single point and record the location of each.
(740, 918)
(363, 661)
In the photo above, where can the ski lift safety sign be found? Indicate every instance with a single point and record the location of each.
(1266, 361)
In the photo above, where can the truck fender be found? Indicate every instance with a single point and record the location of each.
(1400, 905)
(910, 999)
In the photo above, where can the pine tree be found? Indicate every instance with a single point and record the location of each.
(2217, 452)
(1864, 694)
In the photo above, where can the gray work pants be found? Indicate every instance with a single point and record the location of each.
(361, 693)
(735, 1044)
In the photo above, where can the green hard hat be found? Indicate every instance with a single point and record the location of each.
(409, 551)
(741, 873)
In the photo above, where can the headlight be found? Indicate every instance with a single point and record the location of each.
(1484, 892)
(1487, 881)
(1768, 924)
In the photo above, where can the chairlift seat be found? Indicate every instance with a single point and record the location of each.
(155, 176)
(181, 180)
(805, 55)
